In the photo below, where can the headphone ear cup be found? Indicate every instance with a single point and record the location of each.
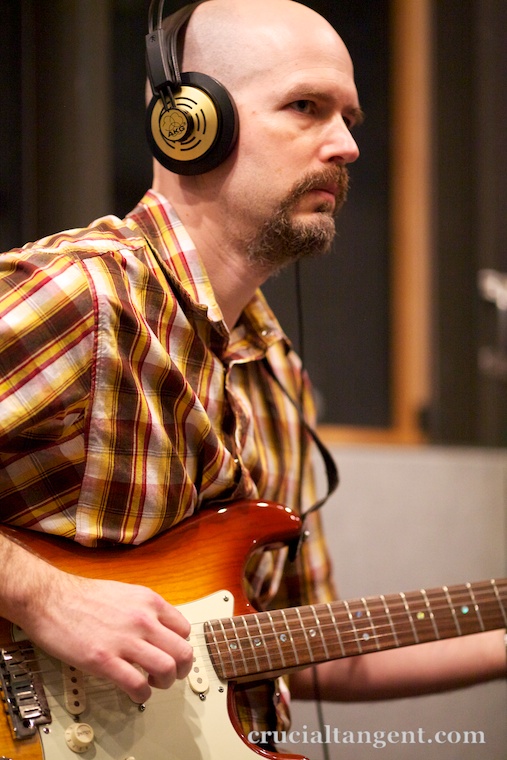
(211, 126)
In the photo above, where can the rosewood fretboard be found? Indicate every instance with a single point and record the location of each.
(263, 643)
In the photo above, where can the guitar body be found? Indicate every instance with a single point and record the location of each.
(198, 566)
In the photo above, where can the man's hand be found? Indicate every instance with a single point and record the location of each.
(104, 628)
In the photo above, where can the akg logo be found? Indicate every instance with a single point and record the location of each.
(173, 125)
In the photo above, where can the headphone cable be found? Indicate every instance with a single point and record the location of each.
(300, 332)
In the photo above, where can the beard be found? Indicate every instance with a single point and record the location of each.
(282, 239)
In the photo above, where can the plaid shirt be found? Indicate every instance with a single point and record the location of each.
(126, 404)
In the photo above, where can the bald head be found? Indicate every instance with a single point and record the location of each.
(237, 40)
(292, 82)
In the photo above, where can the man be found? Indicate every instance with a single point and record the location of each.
(135, 388)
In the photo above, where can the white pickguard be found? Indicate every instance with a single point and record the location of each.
(177, 723)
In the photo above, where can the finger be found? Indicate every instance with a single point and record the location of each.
(128, 678)
(155, 620)
(178, 649)
(168, 632)
(163, 668)
(172, 618)
(155, 668)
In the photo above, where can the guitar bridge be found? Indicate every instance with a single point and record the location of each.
(22, 690)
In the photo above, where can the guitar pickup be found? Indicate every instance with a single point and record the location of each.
(198, 677)
(22, 690)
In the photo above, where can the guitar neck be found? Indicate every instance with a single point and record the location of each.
(261, 644)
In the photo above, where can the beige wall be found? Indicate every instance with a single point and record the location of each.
(405, 518)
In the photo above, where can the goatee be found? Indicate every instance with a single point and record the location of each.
(283, 239)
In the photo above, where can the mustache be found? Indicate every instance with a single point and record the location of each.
(335, 176)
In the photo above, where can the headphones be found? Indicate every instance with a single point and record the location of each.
(191, 122)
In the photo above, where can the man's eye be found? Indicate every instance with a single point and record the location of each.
(303, 106)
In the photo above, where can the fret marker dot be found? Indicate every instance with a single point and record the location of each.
(257, 642)
(421, 615)
(283, 637)
(359, 614)
(312, 633)
(465, 609)
(234, 645)
(366, 636)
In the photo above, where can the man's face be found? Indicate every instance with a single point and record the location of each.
(284, 238)
(287, 178)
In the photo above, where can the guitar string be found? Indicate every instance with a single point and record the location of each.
(485, 602)
(53, 677)
(93, 686)
(362, 640)
(348, 638)
(359, 632)
(363, 622)
(376, 619)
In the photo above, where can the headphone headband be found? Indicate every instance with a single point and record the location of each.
(192, 121)
(162, 45)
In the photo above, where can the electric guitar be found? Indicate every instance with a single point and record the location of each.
(53, 712)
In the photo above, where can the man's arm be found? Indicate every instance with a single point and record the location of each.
(101, 627)
(410, 671)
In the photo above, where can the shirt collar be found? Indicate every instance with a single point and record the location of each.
(172, 245)
(257, 328)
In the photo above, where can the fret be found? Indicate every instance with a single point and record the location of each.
(284, 614)
(399, 621)
(238, 640)
(353, 627)
(453, 610)
(465, 610)
(476, 606)
(403, 598)
(214, 647)
(310, 625)
(490, 608)
(443, 611)
(362, 625)
(250, 641)
(319, 629)
(379, 623)
(390, 620)
(336, 630)
(423, 615)
(370, 621)
(305, 633)
(430, 613)
(261, 647)
(347, 642)
(499, 600)
(230, 646)
(277, 639)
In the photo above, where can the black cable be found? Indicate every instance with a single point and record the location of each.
(320, 713)
(301, 348)
(300, 329)
(300, 334)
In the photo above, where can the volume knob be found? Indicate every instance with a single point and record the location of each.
(79, 737)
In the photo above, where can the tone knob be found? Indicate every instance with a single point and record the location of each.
(79, 737)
